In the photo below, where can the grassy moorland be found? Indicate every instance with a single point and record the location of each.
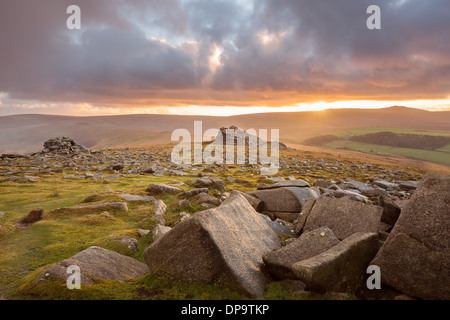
(28, 249)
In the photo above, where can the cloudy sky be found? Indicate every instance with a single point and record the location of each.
(222, 56)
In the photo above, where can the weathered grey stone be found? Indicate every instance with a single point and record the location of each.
(341, 268)
(98, 263)
(158, 231)
(221, 245)
(360, 186)
(203, 182)
(286, 216)
(303, 216)
(207, 198)
(385, 185)
(184, 203)
(102, 206)
(351, 195)
(285, 199)
(415, 258)
(286, 183)
(161, 188)
(411, 267)
(218, 183)
(160, 207)
(193, 192)
(143, 232)
(344, 217)
(151, 168)
(279, 262)
(132, 198)
(131, 243)
(277, 227)
(408, 185)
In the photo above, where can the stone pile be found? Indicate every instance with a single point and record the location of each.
(63, 145)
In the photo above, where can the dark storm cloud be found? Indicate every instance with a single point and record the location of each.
(274, 52)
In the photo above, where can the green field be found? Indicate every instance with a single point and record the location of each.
(439, 156)
(357, 132)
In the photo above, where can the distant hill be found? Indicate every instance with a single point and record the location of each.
(27, 133)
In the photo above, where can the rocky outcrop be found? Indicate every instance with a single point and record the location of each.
(96, 263)
(415, 258)
(221, 245)
(344, 217)
(63, 145)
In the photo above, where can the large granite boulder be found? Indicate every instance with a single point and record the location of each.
(285, 199)
(341, 268)
(257, 204)
(279, 262)
(63, 145)
(222, 245)
(391, 211)
(97, 263)
(415, 258)
(344, 216)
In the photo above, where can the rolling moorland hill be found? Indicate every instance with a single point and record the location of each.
(26, 133)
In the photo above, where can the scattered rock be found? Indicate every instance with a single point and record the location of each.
(109, 206)
(206, 182)
(134, 198)
(151, 168)
(257, 204)
(221, 245)
(184, 203)
(63, 145)
(131, 243)
(160, 219)
(34, 216)
(97, 263)
(161, 188)
(160, 207)
(284, 199)
(207, 198)
(285, 183)
(158, 231)
(391, 211)
(341, 268)
(279, 262)
(303, 216)
(193, 192)
(344, 217)
(386, 185)
(277, 227)
(143, 232)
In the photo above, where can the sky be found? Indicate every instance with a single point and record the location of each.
(222, 57)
